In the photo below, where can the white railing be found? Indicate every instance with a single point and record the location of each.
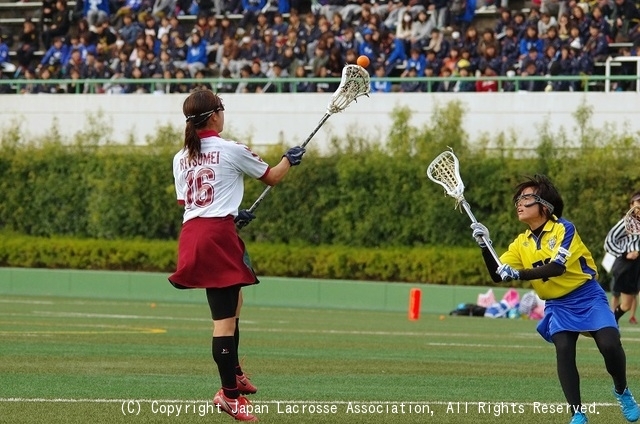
(612, 61)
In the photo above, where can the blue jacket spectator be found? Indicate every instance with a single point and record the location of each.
(417, 60)
(130, 30)
(83, 52)
(465, 19)
(197, 57)
(96, 11)
(4, 52)
(254, 6)
(284, 6)
(133, 5)
(367, 47)
(380, 86)
(397, 55)
(55, 55)
(197, 51)
(531, 40)
(378, 83)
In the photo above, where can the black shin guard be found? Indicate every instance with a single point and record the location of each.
(225, 356)
(236, 337)
(608, 341)
(565, 344)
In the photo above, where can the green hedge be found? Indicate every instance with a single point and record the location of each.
(361, 194)
(451, 265)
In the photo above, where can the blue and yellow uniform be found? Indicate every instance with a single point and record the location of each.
(574, 300)
(560, 243)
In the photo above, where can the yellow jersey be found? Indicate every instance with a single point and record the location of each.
(559, 242)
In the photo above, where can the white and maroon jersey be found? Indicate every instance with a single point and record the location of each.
(211, 185)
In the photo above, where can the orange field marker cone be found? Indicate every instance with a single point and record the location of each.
(414, 304)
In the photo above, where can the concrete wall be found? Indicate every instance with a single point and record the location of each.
(268, 118)
(272, 291)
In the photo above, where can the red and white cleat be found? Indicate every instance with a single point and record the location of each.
(240, 408)
(245, 386)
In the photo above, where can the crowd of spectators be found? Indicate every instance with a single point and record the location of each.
(142, 39)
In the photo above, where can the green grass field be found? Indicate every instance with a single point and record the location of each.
(66, 360)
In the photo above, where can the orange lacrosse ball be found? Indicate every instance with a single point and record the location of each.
(363, 61)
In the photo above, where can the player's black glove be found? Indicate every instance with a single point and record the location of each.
(244, 217)
(294, 155)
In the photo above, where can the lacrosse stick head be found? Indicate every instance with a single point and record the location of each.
(445, 170)
(632, 221)
(355, 82)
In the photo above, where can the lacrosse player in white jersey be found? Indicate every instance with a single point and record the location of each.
(208, 174)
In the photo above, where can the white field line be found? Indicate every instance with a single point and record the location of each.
(305, 331)
(27, 302)
(301, 402)
(247, 329)
(114, 316)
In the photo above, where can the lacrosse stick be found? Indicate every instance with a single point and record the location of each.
(445, 170)
(632, 221)
(353, 84)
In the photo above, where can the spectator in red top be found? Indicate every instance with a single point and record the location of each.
(485, 85)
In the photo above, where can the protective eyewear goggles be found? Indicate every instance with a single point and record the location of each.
(528, 200)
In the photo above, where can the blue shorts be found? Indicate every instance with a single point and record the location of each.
(584, 309)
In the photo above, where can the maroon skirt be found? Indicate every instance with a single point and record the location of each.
(212, 255)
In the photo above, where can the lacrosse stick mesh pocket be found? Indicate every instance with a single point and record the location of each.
(355, 82)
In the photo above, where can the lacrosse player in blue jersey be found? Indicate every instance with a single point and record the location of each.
(552, 257)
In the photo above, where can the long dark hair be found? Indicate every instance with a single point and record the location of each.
(544, 188)
(197, 109)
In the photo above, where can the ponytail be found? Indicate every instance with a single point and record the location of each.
(191, 140)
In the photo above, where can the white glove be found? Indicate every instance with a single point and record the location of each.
(507, 273)
(480, 231)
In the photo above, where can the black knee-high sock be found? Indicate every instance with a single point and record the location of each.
(225, 356)
(236, 336)
(618, 313)
(610, 346)
(567, 369)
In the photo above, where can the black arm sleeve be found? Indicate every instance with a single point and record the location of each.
(549, 270)
(491, 264)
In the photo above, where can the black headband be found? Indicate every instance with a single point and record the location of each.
(203, 115)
